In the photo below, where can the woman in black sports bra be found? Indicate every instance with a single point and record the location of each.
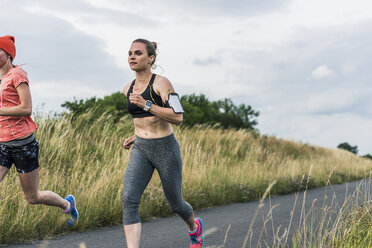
(154, 146)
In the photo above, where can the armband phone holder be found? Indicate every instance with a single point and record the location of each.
(175, 103)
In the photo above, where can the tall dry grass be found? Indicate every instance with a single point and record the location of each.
(332, 223)
(85, 157)
(339, 224)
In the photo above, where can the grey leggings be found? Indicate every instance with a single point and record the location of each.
(164, 155)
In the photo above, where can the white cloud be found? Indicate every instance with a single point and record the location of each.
(322, 72)
(331, 130)
(48, 96)
(65, 90)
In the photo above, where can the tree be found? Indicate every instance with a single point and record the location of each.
(347, 147)
(230, 115)
(199, 110)
(114, 104)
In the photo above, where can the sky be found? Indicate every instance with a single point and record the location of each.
(304, 65)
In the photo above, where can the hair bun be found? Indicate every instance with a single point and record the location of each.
(154, 44)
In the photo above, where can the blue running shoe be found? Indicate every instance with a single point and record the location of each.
(72, 215)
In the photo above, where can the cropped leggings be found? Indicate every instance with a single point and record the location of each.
(164, 155)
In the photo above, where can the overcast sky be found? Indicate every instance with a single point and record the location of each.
(303, 64)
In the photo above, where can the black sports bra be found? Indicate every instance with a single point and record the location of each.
(148, 94)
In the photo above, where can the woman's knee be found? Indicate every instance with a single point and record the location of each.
(32, 198)
(178, 207)
(182, 208)
(130, 201)
(131, 210)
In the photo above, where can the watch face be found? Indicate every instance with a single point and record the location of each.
(148, 103)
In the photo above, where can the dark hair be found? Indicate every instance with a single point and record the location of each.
(150, 47)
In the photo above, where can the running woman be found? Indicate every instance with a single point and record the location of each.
(18, 145)
(154, 107)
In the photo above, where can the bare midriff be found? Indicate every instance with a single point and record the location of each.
(152, 127)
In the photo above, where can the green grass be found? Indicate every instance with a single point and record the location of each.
(86, 158)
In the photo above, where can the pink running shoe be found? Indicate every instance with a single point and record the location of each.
(196, 236)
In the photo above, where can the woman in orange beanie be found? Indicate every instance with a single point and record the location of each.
(18, 145)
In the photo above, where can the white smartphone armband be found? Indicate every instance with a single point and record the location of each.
(175, 103)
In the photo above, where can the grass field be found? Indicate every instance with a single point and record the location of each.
(86, 158)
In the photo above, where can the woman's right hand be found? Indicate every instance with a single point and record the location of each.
(128, 142)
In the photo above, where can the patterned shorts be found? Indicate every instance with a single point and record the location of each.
(25, 157)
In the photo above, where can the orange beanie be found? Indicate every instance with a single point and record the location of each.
(7, 45)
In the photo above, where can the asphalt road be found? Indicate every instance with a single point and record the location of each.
(225, 226)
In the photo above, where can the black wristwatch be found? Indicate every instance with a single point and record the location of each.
(148, 105)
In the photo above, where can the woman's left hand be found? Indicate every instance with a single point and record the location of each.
(128, 142)
(137, 99)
